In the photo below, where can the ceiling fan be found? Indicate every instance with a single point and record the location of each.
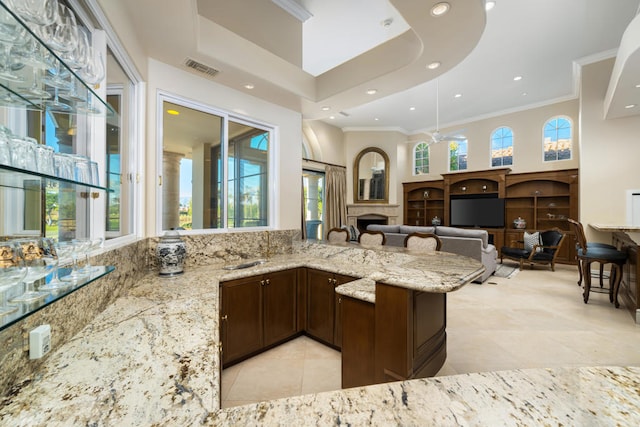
(436, 136)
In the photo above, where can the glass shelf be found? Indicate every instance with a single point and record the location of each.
(24, 310)
(14, 178)
(74, 96)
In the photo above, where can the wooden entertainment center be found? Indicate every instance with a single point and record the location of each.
(543, 199)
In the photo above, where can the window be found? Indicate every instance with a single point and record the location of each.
(457, 155)
(313, 187)
(502, 147)
(557, 139)
(421, 158)
(215, 168)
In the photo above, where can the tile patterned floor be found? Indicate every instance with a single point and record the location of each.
(534, 319)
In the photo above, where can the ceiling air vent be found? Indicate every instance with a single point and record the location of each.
(200, 67)
(345, 114)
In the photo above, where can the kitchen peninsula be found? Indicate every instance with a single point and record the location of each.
(151, 358)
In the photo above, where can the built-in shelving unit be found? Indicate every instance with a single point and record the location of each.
(543, 199)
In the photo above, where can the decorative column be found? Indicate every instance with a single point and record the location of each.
(171, 190)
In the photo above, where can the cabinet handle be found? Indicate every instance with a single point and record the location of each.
(329, 280)
(268, 282)
(224, 318)
(261, 282)
(340, 300)
(335, 282)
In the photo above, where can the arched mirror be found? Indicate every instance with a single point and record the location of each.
(371, 176)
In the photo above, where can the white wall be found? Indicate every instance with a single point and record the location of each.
(527, 129)
(286, 184)
(610, 154)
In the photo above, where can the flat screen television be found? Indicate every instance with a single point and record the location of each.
(477, 211)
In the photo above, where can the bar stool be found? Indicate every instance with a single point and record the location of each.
(589, 254)
(579, 230)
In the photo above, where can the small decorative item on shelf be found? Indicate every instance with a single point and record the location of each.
(426, 194)
(519, 223)
(171, 252)
(435, 220)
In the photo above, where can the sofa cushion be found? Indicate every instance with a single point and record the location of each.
(463, 232)
(384, 228)
(407, 229)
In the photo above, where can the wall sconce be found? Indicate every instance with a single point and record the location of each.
(484, 188)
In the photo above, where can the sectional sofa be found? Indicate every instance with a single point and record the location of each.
(468, 242)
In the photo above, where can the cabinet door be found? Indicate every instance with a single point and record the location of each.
(241, 318)
(337, 333)
(279, 293)
(320, 305)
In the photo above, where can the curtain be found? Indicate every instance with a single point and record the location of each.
(336, 196)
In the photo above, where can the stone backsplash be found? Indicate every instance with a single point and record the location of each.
(69, 315)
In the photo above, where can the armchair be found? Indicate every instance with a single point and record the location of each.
(544, 252)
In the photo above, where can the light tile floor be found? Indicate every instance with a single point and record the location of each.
(535, 319)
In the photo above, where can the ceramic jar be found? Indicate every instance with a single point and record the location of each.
(435, 221)
(171, 252)
(519, 223)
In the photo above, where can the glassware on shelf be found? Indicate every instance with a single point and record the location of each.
(11, 33)
(64, 165)
(5, 150)
(62, 250)
(36, 12)
(80, 247)
(40, 261)
(82, 168)
(23, 153)
(12, 272)
(93, 244)
(95, 174)
(44, 159)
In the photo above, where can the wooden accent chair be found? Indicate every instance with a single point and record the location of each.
(588, 254)
(542, 253)
(372, 238)
(338, 235)
(422, 242)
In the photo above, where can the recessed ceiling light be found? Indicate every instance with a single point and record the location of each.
(517, 78)
(376, 119)
(638, 85)
(387, 22)
(249, 86)
(524, 94)
(630, 106)
(173, 112)
(433, 65)
(372, 92)
(332, 117)
(457, 95)
(489, 4)
(326, 108)
(440, 9)
(412, 108)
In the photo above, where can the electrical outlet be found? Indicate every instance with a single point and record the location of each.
(39, 341)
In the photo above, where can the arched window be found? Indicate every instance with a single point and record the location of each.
(502, 147)
(421, 158)
(557, 139)
(457, 155)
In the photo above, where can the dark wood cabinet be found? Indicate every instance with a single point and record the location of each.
(629, 292)
(257, 312)
(423, 201)
(321, 306)
(410, 337)
(241, 318)
(358, 344)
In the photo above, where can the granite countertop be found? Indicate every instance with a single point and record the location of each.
(151, 359)
(615, 227)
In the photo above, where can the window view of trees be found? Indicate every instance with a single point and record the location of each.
(421, 159)
(502, 147)
(457, 155)
(557, 139)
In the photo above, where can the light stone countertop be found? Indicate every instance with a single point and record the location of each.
(151, 359)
